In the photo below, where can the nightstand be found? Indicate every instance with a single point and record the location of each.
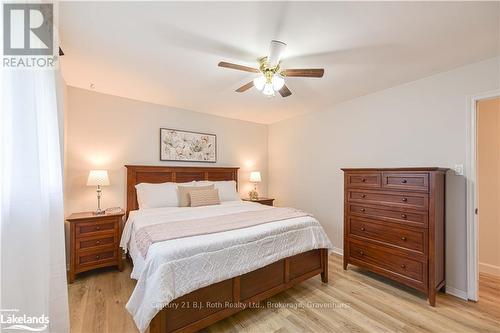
(94, 241)
(263, 201)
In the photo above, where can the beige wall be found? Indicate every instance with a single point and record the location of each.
(488, 172)
(422, 123)
(107, 132)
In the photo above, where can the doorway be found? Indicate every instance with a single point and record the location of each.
(484, 255)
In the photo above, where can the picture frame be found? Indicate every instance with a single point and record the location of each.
(187, 146)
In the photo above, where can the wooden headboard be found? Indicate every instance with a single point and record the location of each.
(137, 174)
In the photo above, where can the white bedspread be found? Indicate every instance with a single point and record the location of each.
(176, 267)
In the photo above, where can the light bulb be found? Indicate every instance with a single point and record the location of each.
(259, 82)
(268, 89)
(278, 82)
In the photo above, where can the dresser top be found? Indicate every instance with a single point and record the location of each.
(398, 169)
(91, 215)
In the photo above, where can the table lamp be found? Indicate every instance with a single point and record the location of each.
(254, 178)
(98, 178)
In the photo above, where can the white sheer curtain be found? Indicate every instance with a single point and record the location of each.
(33, 269)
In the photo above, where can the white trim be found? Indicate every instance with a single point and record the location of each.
(489, 269)
(338, 250)
(470, 174)
(456, 292)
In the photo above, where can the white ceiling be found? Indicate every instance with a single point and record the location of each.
(167, 52)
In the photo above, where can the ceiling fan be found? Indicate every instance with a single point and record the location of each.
(272, 77)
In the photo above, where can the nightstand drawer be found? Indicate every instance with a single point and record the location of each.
(94, 242)
(97, 257)
(95, 227)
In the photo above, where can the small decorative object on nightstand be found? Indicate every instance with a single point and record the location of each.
(94, 241)
(254, 178)
(263, 201)
(98, 178)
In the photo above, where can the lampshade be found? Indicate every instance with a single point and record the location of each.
(98, 177)
(259, 82)
(255, 177)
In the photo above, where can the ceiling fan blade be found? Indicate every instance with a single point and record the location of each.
(306, 72)
(276, 50)
(238, 67)
(245, 87)
(285, 92)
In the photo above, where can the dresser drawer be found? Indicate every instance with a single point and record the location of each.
(95, 258)
(364, 180)
(401, 199)
(417, 219)
(389, 263)
(406, 181)
(83, 229)
(95, 242)
(392, 236)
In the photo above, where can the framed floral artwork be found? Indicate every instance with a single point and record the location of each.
(176, 145)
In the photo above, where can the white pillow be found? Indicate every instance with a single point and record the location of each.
(158, 195)
(227, 189)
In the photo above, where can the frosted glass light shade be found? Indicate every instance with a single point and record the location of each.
(259, 82)
(255, 177)
(98, 177)
(268, 89)
(278, 82)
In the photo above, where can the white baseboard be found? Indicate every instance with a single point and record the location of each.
(489, 269)
(456, 292)
(338, 250)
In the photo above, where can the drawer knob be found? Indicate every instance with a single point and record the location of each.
(362, 209)
(98, 228)
(363, 180)
(403, 181)
(405, 199)
(361, 253)
(404, 216)
(98, 242)
(403, 266)
(363, 195)
(403, 238)
(362, 229)
(98, 257)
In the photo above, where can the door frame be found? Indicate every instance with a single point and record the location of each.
(471, 179)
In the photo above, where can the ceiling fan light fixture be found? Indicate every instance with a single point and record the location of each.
(278, 82)
(259, 82)
(268, 89)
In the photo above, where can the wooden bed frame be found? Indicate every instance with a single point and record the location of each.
(215, 302)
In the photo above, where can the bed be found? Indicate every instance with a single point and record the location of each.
(189, 283)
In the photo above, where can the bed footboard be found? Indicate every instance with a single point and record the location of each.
(210, 304)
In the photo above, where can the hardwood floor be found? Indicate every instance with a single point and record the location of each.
(353, 301)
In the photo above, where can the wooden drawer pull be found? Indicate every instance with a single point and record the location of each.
(403, 238)
(404, 216)
(363, 180)
(405, 199)
(403, 181)
(363, 195)
(362, 209)
(361, 253)
(363, 229)
(98, 257)
(403, 266)
(97, 228)
(98, 242)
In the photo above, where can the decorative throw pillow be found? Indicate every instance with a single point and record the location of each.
(204, 198)
(184, 198)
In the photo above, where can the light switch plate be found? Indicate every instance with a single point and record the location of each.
(459, 169)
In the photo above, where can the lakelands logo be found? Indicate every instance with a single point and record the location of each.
(11, 319)
(28, 35)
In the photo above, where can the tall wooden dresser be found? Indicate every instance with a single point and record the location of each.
(394, 225)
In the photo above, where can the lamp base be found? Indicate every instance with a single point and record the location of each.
(253, 195)
(99, 212)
